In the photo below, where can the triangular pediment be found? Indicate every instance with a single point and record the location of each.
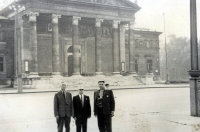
(116, 3)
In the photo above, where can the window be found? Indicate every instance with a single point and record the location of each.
(123, 66)
(49, 27)
(1, 64)
(26, 66)
(148, 44)
(2, 36)
(149, 66)
(136, 66)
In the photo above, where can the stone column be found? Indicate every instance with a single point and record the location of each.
(122, 48)
(21, 47)
(66, 60)
(76, 45)
(34, 48)
(116, 50)
(55, 45)
(98, 58)
(132, 48)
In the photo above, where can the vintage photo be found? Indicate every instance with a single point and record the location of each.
(99, 66)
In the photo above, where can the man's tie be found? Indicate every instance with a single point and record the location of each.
(82, 100)
(64, 95)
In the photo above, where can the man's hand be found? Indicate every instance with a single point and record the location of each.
(112, 114)
(74, 118)
(57, 117)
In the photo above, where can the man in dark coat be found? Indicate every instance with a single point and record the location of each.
(63, 108)
(82, 111)
(104, 107)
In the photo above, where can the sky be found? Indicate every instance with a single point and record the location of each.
(177, 16)
(150, 16)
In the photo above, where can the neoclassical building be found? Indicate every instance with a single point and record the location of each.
(75, 37)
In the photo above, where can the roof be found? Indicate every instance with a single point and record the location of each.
(121, 4)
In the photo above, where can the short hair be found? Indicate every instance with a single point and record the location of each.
(80, 89)
(107, 84)
(101, 81)
(63, 84)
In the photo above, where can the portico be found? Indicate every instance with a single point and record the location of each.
(92, 29)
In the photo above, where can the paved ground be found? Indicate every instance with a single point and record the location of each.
(5, 90)
(137, 110)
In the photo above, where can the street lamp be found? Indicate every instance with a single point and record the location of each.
(17, 8)
(194, 72)
(166, 56)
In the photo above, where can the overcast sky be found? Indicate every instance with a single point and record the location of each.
(176, 16)
(151, 15)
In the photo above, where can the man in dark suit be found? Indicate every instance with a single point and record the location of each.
(63, 108)
(104, 107)
(107, 86)
(82, 111)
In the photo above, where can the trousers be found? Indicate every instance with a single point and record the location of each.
(104, 121)
(63, 120)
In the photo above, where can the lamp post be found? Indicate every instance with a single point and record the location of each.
(17, 8)
(194, 72)
(166, 56)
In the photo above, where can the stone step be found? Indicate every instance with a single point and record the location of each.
(76, 82)
(5, 81)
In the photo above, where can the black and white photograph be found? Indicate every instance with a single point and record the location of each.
(99, 66)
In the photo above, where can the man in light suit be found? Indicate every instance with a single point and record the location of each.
(63, 108)
(82, 110)
(104, 107)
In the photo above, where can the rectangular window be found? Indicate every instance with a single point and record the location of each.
(149, 66)
(26, 66)
(49, 27)
(2, 36)
(136, 66)
(123, 66)
(1, 64)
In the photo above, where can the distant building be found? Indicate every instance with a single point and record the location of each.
(143, 56)
(73, 37)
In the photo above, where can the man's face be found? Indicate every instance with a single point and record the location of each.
(81, 91)
(63, 87)
(101, 86)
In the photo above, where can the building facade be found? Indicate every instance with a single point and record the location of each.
(6, 50)
(76, 37)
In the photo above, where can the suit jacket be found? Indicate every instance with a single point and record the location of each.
(63, 106)
(79, 111)
(108, 102)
